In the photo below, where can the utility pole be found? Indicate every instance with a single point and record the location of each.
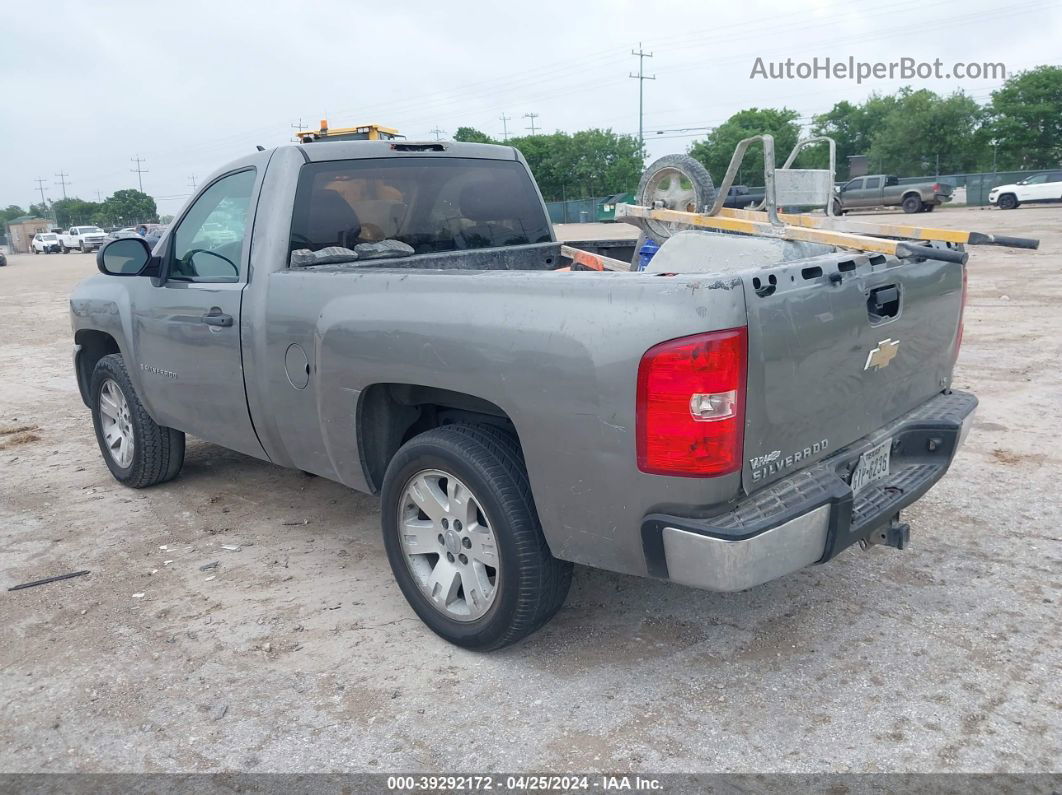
(98, 197)
(140, 172)
(40, 186)
(437, 132)
(62, 181)
(505, 126)
(531, 116)
(191, 180)
(641, 77)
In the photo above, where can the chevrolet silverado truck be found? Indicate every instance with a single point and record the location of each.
(884, 190)
(82, 238)
(397, 317)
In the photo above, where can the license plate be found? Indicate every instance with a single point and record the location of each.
(873, 465)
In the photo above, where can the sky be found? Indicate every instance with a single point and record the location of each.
(188, 86)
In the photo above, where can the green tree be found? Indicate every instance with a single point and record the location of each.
(74, 211)
(40, 210)
(12, 211)
(472, 135)
(127, 207)
(717, 148)
(581, 165)
(853, 127)
(929, 134)
(1026, 120)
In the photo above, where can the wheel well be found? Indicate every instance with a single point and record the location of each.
(914, 193)
(94, 346)
(389, 415)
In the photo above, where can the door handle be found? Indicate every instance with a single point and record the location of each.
(215, 317)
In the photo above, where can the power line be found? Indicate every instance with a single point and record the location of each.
(191, 179)
(531, 116)
(641, 77)
(437, 133)
(40, 186)
(505, 126)
(140, 172)
(62, 181)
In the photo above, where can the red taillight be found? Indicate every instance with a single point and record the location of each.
(962, 312)
(936, 187)
(691, 405)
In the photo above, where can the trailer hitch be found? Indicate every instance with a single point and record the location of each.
(896, 534)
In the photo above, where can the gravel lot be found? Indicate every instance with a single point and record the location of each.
(298, 653)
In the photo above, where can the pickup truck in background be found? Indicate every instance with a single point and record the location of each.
(883, 190)
(394, 316)
(82, 238)
(1045, 187)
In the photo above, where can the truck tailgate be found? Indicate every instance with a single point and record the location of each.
(839, 346)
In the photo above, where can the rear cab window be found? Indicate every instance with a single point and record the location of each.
(430, 204)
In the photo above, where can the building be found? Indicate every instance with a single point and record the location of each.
(20, 232)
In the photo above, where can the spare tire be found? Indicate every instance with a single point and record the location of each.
(679, 182)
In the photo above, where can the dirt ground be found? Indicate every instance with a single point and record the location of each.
(298, 653)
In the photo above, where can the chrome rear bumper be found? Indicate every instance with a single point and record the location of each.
(812, 515)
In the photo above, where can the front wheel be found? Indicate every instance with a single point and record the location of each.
(464, 540)
(63, 249)
(138, 451)
(1008, 201)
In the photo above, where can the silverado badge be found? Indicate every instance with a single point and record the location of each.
(884, 353)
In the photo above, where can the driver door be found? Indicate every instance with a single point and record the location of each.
(187, 329)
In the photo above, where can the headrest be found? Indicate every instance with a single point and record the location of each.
(330, 216)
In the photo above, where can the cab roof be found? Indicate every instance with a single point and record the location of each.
(354, 150)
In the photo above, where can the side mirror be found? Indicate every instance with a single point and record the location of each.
(126, 256)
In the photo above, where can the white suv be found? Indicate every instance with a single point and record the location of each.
(1044, 187)
(45, 243)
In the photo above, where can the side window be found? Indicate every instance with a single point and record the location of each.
(1036, 180)
(873, 182)
(855, 184)
(1056, 176)
(209, 240)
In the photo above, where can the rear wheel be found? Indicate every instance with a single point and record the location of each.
(63, 248)
(464, 541)
(138, 451)
(1008, 201)
(912, 204)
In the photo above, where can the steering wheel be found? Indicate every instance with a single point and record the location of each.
(189, 257)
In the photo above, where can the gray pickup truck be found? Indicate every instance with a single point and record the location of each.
(884, 190)
(396, 317)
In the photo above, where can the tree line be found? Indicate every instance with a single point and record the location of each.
(909, 133)
(122, 208)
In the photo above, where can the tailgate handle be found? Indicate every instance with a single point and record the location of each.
(884, 302)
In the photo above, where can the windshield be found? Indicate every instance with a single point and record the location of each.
(444, 204)
(48, 237)
(88, 230)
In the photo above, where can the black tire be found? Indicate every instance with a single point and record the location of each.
(158, 452)
(912, 204)
(35, 252)
(691, 170)
(81, 246)
(63, 249)
(531, 583)
(1008, 201)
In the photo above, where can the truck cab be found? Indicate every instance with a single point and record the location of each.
(82, 238)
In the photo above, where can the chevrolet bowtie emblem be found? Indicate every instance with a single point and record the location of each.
(884, 353)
